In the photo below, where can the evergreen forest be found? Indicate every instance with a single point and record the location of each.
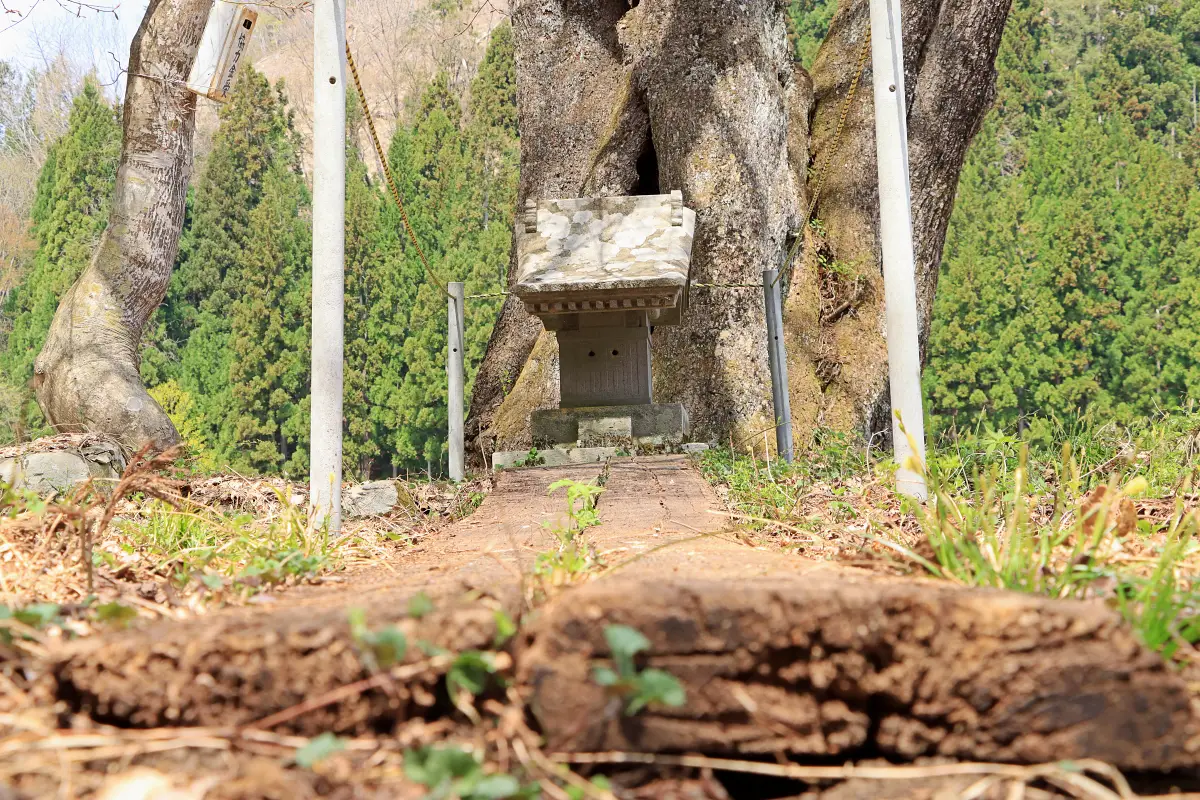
(1068, 287)
(227, 352)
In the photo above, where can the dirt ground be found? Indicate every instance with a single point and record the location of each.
(795, 665)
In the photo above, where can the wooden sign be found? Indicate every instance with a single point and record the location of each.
(226, 38)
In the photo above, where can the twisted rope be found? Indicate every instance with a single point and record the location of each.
(387, 173)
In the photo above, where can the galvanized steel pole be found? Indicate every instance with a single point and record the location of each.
(777, 358)
(454, 373)
(328, 267)
(895, 239)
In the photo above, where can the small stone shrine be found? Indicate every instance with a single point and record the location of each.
(602, 273)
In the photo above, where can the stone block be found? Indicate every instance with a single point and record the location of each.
(371, 499)
(605, 431)
(554, 457)
(604, 366)
(587, 255)
(54, 472)
(656, 425)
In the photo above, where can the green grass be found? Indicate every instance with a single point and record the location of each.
(773, 491)
(1165, 450)
(1009, 513)
(1046, 539)
(221, 549)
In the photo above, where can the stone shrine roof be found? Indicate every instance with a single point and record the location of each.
(604, 254)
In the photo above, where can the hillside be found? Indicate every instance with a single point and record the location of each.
(398, 47)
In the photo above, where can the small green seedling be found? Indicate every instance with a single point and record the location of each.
(381, 649)
(470, 673)
(115, 613)
(581, 508)
(35, 616)
(419, 605)
(639, 688)
(505, 628)
(449, 772)
(276, 566)
(561, 566)
(531, 459)
(318, 749)
(573, 555)
(467, 506)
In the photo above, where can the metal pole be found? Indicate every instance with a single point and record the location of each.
(895, 238)
(328, 268)
(777, 357)
(454, 370)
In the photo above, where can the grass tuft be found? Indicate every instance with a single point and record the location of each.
(1068, 511)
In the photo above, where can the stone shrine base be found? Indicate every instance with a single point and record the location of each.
(590, 435)
(630, 427)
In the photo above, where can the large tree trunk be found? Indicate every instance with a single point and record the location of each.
(703, 96)
(86, 376)
(834, 312)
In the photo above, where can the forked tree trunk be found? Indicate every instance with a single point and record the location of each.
(86, 376)
(702, 95)
(834, 312)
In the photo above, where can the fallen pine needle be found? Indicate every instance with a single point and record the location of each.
(1074, 769)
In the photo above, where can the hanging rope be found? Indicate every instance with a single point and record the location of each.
(387, 173)
(725, 285)
(863, 53)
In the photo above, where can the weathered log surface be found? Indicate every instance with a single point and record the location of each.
(834, 665)
(778, 654)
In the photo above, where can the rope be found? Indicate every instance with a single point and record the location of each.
(725, 285)
(863, 53)
(387, 173)
(488, 294)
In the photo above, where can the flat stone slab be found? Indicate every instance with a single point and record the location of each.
(604, 254)
(371, 499)
(57, 465)
(555, 457)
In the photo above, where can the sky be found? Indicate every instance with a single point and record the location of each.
(86, 36)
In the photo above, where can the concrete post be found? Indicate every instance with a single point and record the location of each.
(329, 245)
(454, 371)
(777, 357)
(895, 238)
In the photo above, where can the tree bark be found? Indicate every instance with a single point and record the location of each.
(834, 311)
(703, 96)
(86, 376)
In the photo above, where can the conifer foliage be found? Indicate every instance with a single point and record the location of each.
(460, 174)
(1069, 278)
(69, 213)
(231, 345)
(224, 292)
